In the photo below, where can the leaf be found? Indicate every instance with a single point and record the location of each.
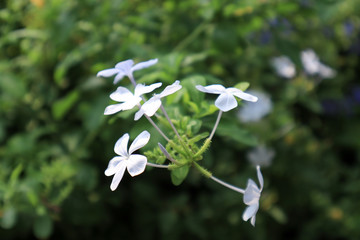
(178, 175)
(43, 227)
(232, 130)
(190, 83)
(242, 86)
(62, 106)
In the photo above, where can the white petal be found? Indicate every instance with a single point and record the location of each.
(114, 165)
(253, 220)
(226, 102)
(125, 66)
(119, 76)
(118, 176)
(141, 89)
(250, 211)
(121, 145)
(252, 193)
(145, 64)
(121, 94)
(214, 89)
(114, 108)
(326, 72)
(136, 164)
(131, 103)
(139, 114)
(151, 106)
(107, 72)
(240, 94)
(141, 140)
(260, 177)
(171, 89)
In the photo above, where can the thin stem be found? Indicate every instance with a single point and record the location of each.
(157, 165)
(173, 127)
(157, 128)
(169, 120)
(232, 187)
(216, 125)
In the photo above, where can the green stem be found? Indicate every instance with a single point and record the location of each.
(202, 170)
(232, 187)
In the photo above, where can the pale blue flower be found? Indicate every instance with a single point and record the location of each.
(255, 111)
(313, 66)
(226, 100)
(125, 68)
(134, 163)
(284, 67)
(128, 99)
(252, 196)
(261, 156)
(150, 107)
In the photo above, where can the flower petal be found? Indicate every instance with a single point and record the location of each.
(151, 106)
(141, 140)
(250, 211)
(114, 165)
(121, 94)
(107, 72)
(260, 177)
(252, 193)
(121, 145)
(213, 89)
(252, 221)
(136, 164)
(171, 89)
(125, 66)
(118, 176)
(145, 64)
(139, 114)
(226, 102)
(114, 108)
(141, 89)
(119, 76)
(240, 94)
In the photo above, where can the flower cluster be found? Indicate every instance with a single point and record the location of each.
(181, 150)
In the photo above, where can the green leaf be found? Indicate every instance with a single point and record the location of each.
(43, 227)
(62, 106)
(233, 131)
(242, 86)
(178, 175)
(190, 83)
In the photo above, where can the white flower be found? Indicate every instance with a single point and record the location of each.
(125, 68)
(134, 163)
(284, 66)
(252, 196)
(127, 99)
(313, 66)
(153, 104)
(255, 111)
(261, 156)
(226, 101)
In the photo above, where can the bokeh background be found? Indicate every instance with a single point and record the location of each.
(55, 142)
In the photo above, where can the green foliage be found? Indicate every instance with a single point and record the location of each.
(55, 143)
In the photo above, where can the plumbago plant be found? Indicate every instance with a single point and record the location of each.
(182, 148)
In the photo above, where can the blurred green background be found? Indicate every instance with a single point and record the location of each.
(55, 142)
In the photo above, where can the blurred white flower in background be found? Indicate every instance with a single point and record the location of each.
(313, 66)
(255, 111)
(284, 67)
(261, 156)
